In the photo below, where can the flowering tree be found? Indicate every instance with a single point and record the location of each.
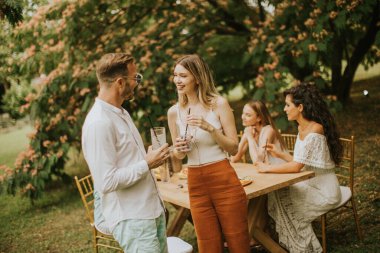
(54, 54)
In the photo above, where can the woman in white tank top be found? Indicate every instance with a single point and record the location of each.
(217, 199)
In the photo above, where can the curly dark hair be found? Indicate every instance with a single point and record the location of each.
(316, 109)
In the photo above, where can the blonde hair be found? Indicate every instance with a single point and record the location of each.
(111, 66)
(207, 92)
(262, 111)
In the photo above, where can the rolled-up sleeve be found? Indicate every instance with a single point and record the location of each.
(101, 143)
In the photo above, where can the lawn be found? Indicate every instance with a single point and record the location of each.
(57, 221)
(12, 143)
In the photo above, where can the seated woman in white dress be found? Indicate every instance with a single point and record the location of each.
(318, 149)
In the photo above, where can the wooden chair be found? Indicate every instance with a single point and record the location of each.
(345, 174)
(244, 157)
(86, 190)
(290, 141)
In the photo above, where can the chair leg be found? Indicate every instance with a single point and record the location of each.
(95, 242)
(167, 214)
(323, 228)
(358, 230)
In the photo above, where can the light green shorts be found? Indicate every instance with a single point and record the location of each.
(142, 236)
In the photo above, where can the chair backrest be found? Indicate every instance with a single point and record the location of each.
(290, 141)
(244, 157)
(86, 190)
(345, 170)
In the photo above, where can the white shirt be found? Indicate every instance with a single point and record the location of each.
(115, 153)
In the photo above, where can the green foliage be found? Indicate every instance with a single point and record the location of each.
(15, 100)
(53, 53)
(12, 10)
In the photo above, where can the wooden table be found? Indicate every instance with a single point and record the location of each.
(176, 193)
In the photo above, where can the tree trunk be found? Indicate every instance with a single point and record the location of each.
(336, 63)
(363, 46)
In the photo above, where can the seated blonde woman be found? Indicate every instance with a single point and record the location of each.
(259, 131)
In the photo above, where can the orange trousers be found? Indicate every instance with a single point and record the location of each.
(218, 205)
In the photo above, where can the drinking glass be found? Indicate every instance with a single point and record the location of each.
(189, 139)
(158, 136)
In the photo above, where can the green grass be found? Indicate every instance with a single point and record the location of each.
(12, 143)
(57, 222)
(363, 74)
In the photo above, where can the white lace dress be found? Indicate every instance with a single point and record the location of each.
(295, 207)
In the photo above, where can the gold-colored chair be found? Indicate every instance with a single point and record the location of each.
(85, 188)
(290, 141)
(100, 240)
(345, 174)
(244, 157)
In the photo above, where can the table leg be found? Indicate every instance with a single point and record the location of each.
(179, 221)
(257, 220)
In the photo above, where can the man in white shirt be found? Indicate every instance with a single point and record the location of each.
(124, 185)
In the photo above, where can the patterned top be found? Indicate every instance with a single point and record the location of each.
(314, 152)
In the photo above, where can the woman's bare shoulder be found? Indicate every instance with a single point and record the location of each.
(172, 111)
(317, 128)
(221, 102)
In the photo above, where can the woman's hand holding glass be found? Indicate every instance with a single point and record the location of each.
(182, 144)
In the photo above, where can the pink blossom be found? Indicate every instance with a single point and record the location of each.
(46, 143)
(63, 138)
(333, 14)
(84, 91)
(277, 75)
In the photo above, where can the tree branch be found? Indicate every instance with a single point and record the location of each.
(252, 13)
(228, 18)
